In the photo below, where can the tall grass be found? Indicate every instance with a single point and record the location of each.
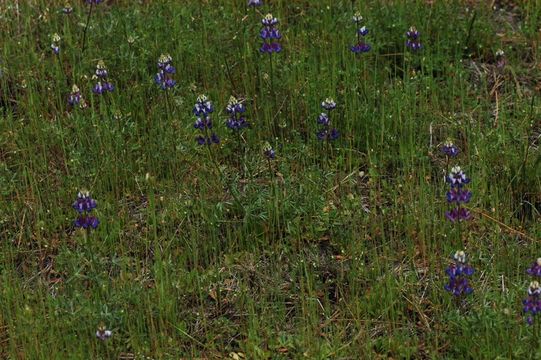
(326, 254)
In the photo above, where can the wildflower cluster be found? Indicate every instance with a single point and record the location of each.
(255, 3)
(202, 110)
(458, 273)
(165, 71)
(236, 121)
(327, 132)
(84, 204)
(55, 43)
(413, 42)
(458, 195)
(270, 34)
(361, 46)
(102, 85)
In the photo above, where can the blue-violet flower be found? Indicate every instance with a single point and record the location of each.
(165, 71)
(361, 46)
(413, 41)
(459, 272)
(84, 204)
(202, 110)
(270, 35)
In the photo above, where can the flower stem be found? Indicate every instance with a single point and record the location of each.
(86, 27)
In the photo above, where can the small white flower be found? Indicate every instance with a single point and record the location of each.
(103, 334)
(460, 256)
(357, 17)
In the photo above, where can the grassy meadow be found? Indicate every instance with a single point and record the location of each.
(333, 249)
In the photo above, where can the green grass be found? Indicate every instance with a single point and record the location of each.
(331, 253)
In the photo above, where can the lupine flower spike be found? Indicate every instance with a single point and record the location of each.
(236, 120)
(532, 304)
(361, 46)
(75, 98)
(270, 35)
(102, 85)
(327, 132)
(84, 204)
(459, 272)
(202, 110)
(165, 71)
(413, 42)
(450, 149)
(55, 44)
(457, 179)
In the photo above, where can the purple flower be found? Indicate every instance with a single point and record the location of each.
(234, 106)
(165, 70)
(93, 2)
(323, 119)
(361, 46)
(164, 60)
(235, 109)
(326, 132)
(535, 269)
(270, 34)
(531, 306)
(268, 151)
(84, 204)
(203, 106)
(413, 41)
(458, 214)
(102, 86)
(86, 222)
(55, 44)
(255, 3)
(101, 70)
(459, 272)
(328, 104)
(363, 31)
(75, 98)
(202, 110)
(458, 195)
(450, 149)
(203, 123)
(457, 177)
(270, 154)
(207, 140)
